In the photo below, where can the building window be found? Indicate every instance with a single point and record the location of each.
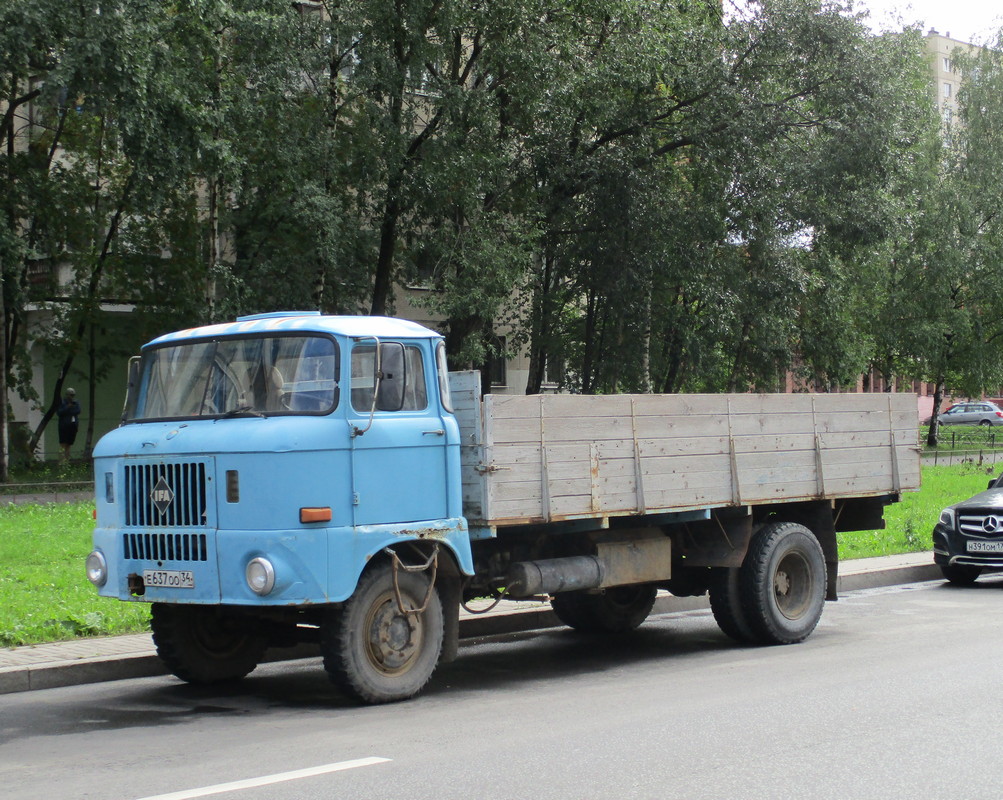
(948, 66)
(947, 90)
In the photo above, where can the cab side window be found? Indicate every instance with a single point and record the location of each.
(402, 382)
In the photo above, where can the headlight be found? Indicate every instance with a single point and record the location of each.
(260, 575)
(947, 518)
(97, 568)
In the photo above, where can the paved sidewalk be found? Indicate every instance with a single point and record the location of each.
(81, 661)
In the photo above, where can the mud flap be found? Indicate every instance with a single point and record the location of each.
(449, 596)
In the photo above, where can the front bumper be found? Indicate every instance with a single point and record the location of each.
(311, 567)
(951, 547)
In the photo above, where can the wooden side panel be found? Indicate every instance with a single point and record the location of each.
(565, 456)
(465, 390)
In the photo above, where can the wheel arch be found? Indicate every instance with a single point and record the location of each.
(817, 517)
(449, 576)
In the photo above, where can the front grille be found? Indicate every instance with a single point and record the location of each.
(162, 495)
(988, 526)
(165, 546)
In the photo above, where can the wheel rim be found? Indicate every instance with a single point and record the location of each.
(792, 584)
(393, 640)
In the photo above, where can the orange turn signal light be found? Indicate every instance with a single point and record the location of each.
(315, 514)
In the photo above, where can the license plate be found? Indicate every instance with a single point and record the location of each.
(169, 578)
(985, 547)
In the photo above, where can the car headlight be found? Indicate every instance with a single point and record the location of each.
(97, 568)
(260, 575)
(947, 518)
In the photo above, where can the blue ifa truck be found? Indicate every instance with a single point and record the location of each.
(291, 477)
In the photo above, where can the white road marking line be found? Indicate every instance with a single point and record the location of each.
(266, 780)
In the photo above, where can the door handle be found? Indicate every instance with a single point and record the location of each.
(436, 432)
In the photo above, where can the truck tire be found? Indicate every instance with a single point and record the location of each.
(782, 583)
(375, 652)
(204, 644)
(960, 574)
(726, 605)
(618, 609)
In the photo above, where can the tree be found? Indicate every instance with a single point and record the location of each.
(945, 302)
(737, 155)
(121, 121)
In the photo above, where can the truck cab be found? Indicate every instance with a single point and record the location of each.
(262, 464)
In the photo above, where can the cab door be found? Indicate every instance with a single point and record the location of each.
(398, 435)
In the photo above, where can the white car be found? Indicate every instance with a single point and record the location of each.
(974, 413)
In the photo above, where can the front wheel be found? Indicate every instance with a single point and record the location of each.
(376, 651)
(960, 574)
(205, 644)
(618, 609)
(782, 583)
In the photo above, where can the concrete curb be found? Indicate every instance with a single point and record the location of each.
(71, 663)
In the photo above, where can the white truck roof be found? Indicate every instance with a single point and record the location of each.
(282, 321)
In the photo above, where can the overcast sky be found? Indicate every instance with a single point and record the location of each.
(967, 20)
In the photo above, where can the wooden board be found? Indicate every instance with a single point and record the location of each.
(554, 457)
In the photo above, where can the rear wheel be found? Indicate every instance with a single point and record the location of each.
(374, 650)
(726, 605)
(615, 610)
(960, 574)
(205, 644)
(782, 583)
(984, 423)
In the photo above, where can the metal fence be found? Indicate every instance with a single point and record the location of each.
(965, 445)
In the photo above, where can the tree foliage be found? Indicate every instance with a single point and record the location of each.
(644, 196)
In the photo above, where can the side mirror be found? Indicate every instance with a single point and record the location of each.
(392, 377)
(996, 483)
(384, 364)
(131, 389)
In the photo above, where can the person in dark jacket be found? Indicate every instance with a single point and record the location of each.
(69, 421)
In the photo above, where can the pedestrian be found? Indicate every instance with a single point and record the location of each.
(69, 421)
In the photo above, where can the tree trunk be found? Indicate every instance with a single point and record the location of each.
(383, 279)
(540, 328)
(736, 366)
(4, 427)
(933, 433)
(210, 281)
(91, 393)
(647, 387)
(589, 381)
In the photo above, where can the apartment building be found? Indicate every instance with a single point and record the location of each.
(947, 78)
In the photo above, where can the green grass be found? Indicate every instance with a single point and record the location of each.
(909, 524)
(44, 594)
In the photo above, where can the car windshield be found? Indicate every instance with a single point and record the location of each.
(260, 375)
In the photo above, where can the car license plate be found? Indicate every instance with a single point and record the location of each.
(985, 547)
(169, 578)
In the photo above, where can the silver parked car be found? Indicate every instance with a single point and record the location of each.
(975, 413)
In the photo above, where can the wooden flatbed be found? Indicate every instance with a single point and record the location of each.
(548, 458)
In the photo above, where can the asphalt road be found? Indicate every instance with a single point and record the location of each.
(896, 695)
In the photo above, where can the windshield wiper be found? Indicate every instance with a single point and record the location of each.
(241, 410)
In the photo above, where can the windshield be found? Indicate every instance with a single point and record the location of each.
(260, 375)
